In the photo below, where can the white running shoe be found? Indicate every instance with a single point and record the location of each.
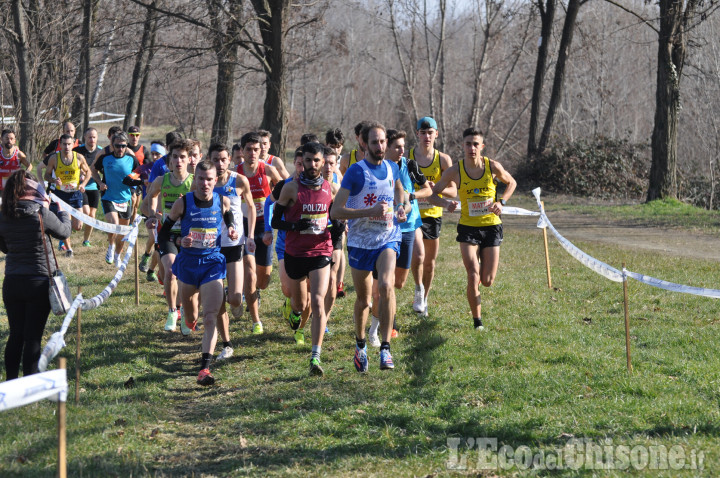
(373, 340)
(118, 260)
(424, 312)
(237, 312)
(419, 300)
(110, 254)
(225, 354)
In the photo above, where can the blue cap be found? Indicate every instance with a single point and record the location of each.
(426, 122)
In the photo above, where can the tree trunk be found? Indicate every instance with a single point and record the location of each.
(140, 64)
(103, 65)
(225, 94)
(146, 75)
(27, 101)
(672, 43)
(559, 78)
(547, 17)
(273, 19)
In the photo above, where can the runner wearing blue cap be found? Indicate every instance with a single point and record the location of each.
(432, 164)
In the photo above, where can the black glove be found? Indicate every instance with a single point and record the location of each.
(414, 171)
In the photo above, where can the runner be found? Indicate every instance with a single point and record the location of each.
(258, 265)
(432, 163)
(335, 139)
(195, 155)
(480, 230)
(337, 231)
(10, 157)
(308, 138)
(71, 175)
(91, 196)
(285, 285)
(355, 155)
(304, 203)
(236, 156)
(141, 153)
(410, 229)
(367, 198)
(150, 257)
(200, 267)
(236, 188)
(68, 128)
(169, 188)
(160, 167)
(265, 156)
(115, 186)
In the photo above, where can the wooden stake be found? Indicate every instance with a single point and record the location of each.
(62, 434)
(547, 252)
(627, 322)
(77, 353)
(137, 277)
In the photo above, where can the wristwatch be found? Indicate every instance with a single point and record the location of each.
(503, 202)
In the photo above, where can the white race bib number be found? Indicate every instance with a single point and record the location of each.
(203, 238)
(120, 206)
(319, 223)
(259, 207)
(479, 206)
(424, 204)
(385, 221)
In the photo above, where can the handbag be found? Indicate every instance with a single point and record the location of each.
(59, 291)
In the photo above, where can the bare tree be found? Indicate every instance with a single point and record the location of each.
(142, 64)
(27, 95)
(547, 18)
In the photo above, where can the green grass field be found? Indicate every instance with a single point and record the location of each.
(548, 369)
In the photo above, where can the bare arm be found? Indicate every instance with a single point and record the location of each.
(449, 176)
(84, 172)
(24, 161)
(450, 189)
(49, 169)
(273, 174)
(150, 203)
(280, 167)
(246, 194)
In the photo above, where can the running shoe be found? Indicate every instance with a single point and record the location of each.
(299, 337)
(110, 254)
(419, 300)
(226, 353)
(151, 276)
(69, 253)
(361, 360)
(373, 340)
(394, 334)
(294, 320)
(424, 312)
(160, 281)
(286, 309)
(86, 243)
(315, 368)
(205, 378)
(257, 328)
(171, 322)
(185, 327)
(118, 260)
(237, 312)
(62, 246)
(341, 290)
(143, 267)
(478, 324)
(386, 361)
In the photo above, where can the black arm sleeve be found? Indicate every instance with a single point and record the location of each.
(414, 171)
(164, 234)
(279, 223)
(229, 218)
(277, 190)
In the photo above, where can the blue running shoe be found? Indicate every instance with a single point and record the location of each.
(386, 361)
(361, 360)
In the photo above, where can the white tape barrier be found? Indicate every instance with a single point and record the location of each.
(671, 286)
(33, 388)
(85, 219)
(612, 273)
(57, 340)
(590, 262)
(518, 211)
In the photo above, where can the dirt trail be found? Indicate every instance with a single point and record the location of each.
(579, 227)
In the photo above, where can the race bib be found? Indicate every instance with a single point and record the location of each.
(71, 188)
(259, 207)
(319, 223)
(4, 181)
(479, 206)
(120, 206)
(203, 238)
(385, 221)
(424, 204)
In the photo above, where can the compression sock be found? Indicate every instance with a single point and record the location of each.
(207, 359)
(360, 343)
(315, 352)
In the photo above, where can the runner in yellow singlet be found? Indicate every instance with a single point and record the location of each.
(480, 231)
(348, 159)
(432, 164)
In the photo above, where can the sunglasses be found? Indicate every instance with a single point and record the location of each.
(134, 134)
(121, 146)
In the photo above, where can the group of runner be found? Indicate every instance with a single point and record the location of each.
(213, 219)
